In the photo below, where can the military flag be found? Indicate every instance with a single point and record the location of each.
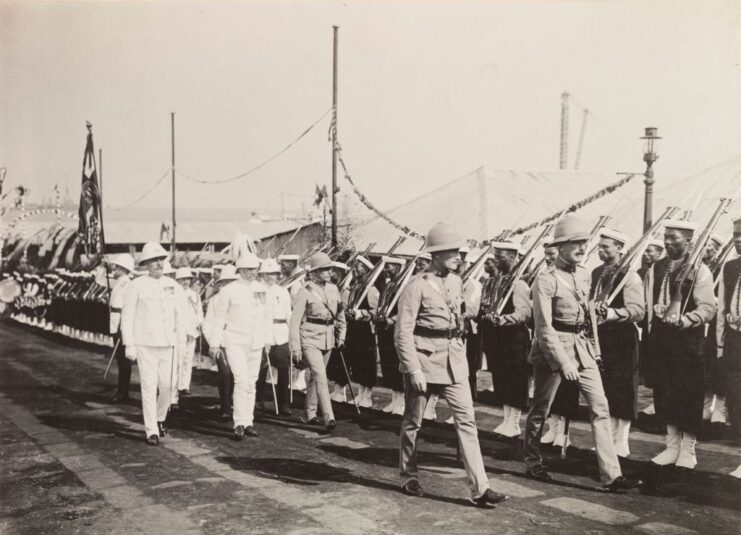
(90, 228)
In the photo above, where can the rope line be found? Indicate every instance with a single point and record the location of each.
(262, 164)
(147, 192)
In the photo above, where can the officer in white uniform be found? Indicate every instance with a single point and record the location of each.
(241, 327)
(153, 329)
(123, 266)
(184, 277)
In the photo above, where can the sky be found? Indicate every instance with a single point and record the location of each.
(428, 91)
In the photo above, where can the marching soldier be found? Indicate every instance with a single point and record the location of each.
(562, 351)
(317, 326)
(432, 357)
(506, 338)
(278, 302)
(153, 329)
(241, 328)
(676, 344)
(729, 335)
(225, 381)
(123, 266)
(618, 338)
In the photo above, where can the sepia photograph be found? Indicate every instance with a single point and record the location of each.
(370, 267)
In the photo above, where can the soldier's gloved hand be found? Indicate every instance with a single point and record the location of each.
(296, 356)
(497, 320)
(214, 352)
(600, 364)
(684, 323)
(570, 372)
(130, 352)
(418, 381)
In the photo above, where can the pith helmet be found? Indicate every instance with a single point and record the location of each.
(183, 273)
(248, 261)
(569, 228)
(269, 266)
(319, 261)
(443, 237)
(228, 273)
(124, 260)
(151, 251)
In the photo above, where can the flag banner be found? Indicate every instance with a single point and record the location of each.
(90, 230)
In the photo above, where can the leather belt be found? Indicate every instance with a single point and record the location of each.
(574, 328)
(280, 321)
(437, 333)
(320, 321)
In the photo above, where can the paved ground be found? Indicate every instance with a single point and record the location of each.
(70, 462)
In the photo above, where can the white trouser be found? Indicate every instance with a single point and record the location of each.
(156, 372)
(186, 365)
(245, 364)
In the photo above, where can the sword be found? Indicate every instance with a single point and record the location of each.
(270, 372)
(110, 361)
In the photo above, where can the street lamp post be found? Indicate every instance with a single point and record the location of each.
(649, 156)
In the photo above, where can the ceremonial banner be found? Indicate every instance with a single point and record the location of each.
(90, 229)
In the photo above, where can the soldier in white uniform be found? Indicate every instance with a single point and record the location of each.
(225, 381)
(241, 327)
(123, 266)
(279, 311)
(184, 276)
(153, 329)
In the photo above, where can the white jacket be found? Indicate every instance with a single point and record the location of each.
(117, 301)
(155, 313)
(278, 301)
(241, 316)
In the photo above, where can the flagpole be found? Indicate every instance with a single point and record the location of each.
(172, 129)
(100, 195)
(334, 136)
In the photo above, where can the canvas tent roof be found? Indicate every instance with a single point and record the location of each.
(486, 201)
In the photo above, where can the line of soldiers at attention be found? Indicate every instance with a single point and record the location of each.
(549, 330)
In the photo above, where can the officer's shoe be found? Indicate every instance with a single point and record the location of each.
(285, 411)
(331, 425)
(539, 473)
(162, 429)
(413, 488)
(621, 484)
(489, 497)
(239, 432)
(185, 392)
(153, 440)
(313, 421)
(250, 431)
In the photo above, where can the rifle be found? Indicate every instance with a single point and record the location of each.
(347, 279)
(716, 266)
(676, 307)
(609, 288)
(594, 233)
(373, 276)
(285, 243)
(393, 290)
(519, 269)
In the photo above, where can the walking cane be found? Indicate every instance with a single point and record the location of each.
(270, 372)
(349, 381)
(110, 361)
